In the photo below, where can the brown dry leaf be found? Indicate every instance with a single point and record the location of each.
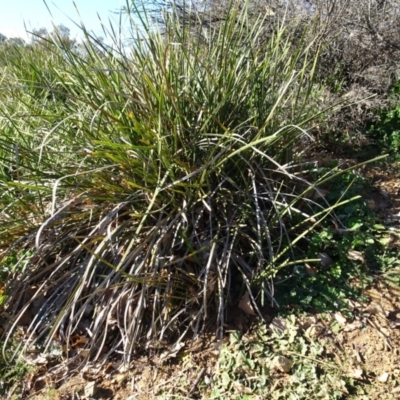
(84, 353)
(25, 319)
(355, 256)
(339, 318)
(211, 282)
(353, 326)
(35, 359)
(241, 388)
(395, 324)
(269, 12)
(372, 204)
(376, 309)
(316, 193)
(172, 352)
(354, 305)
(245, 304)
(106, 384)
(319, 193)
(310, 270)
(79, 341)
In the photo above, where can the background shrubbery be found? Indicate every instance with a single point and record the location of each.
(356, 42)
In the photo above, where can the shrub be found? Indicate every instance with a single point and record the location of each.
(156, 184)
(357, 43)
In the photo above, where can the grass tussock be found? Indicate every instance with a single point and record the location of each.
(148, 188)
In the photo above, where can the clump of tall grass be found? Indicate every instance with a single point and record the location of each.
(152, 186)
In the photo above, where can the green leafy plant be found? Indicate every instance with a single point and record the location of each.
(12, 375)
(347, 251)
(283, 364)
(385, 132)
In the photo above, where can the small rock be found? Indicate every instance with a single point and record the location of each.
(380, 346)
(278, 325)
(120, 378)
(383, 378)
(90, 390)
(282, 364)
(314, 331)
(326, 261)
(356, 373)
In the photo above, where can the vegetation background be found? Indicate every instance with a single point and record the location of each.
(210, 176)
